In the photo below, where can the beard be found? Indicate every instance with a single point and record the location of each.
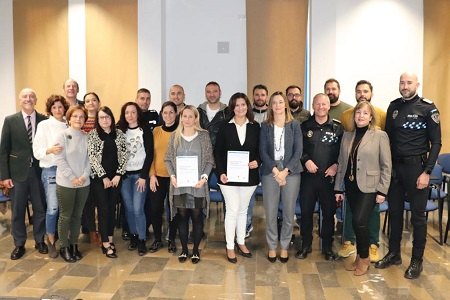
(333, 98)
(259, 103)
(294, 104)
(407, 94)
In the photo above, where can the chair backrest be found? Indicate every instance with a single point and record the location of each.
(444, 161)
(436, 177)
(3, 198)
(213, 182)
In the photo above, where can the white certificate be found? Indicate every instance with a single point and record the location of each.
(237, 166)
(187, 171)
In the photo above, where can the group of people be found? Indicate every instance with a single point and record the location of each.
(362, 155)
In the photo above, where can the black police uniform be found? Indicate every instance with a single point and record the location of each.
(151, 118)
(321, 144)
(415, 134)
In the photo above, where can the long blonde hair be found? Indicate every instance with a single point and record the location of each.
(180, 128)
(270, 117)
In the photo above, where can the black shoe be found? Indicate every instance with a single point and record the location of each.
(232, 260)
(111, 244)
(41, 247)
(133, 242)
(18, 252)
(171, 247)
(142, 248)
(284, 259)
(126, 236)
(303, 253)
(195, 259)
(271, 259)
(109, 251)
(390, 259)
(183, 257)
(414, 269)
(242, 253)
(75, 252)
(155, 246)
(67, 255)
(329, 254)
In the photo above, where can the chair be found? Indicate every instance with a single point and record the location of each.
(436, 193)
(384, 208)
(444, 161)
(215, 195)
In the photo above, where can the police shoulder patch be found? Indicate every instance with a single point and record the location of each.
(427, 101)
(435, 117)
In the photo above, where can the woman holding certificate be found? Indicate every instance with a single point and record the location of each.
(280, 147)
(365, 172)
(237, 159)
(189, 160)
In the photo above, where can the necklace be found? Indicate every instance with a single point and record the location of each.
(275, 141)
(351, 177)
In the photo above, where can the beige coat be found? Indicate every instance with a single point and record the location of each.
(374, 166)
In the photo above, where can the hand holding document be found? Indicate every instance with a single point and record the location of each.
(187, 171)
(237, 166)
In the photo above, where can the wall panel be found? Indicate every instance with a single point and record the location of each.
(111, 51)
(40, 46)
(276, 39)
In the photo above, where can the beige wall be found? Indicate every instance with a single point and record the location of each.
(276, 39)
(436, 62)
(40, 47)
(111, 51)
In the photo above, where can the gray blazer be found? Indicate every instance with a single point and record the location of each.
(373, 173)
(293, 147)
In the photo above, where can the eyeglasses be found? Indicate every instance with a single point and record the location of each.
(105, 118)
(290, 95)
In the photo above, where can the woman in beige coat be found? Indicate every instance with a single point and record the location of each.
(364, 173)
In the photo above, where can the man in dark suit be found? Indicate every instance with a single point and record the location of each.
(20, 172)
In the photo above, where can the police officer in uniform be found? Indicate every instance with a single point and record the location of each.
(412, 124)
(321, 143)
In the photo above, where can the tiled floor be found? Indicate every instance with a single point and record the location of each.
(160, 275)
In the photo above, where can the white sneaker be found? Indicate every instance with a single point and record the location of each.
(248, 231)
(347, 249)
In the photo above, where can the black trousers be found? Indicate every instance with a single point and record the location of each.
(404, 177)
(157, 209)
(362, 205)
(317, 187)
(88, 216)
(107, 200)
(31, 188)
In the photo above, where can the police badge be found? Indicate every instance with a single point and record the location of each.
(309, 133)
(435, 117)
(394, 114)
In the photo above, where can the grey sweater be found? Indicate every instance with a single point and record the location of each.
(73, 161)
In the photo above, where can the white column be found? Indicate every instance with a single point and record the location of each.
(7, 75)
(77, 43)
(150, 49)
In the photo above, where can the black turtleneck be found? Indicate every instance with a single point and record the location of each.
(359, 133)
(170, 128)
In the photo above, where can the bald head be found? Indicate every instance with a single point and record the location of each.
(71, 89)
(408, 85)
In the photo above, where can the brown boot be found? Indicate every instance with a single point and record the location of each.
(362, 267)
(353, 265)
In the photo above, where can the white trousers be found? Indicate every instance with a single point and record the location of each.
(237, 199)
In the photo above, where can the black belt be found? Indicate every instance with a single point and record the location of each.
(410, 160)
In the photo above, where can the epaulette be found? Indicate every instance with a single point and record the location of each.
(426, 100)
(396, 100)
(337, 121)
(153, 110)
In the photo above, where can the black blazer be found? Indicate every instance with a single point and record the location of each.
(228, 140)
(15, 148)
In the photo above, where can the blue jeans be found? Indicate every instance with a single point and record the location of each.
(134, 205)
(48, 178)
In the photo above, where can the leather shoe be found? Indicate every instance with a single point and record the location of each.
(390, 259)
(41, 247)
(329, 254)
(75, 252)
(155, 246)
(271, 259)
(171, 247)
(66, 254)
(232, 260)
(18, 252)
(414, 269)
(303, 253)
(244, 254)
